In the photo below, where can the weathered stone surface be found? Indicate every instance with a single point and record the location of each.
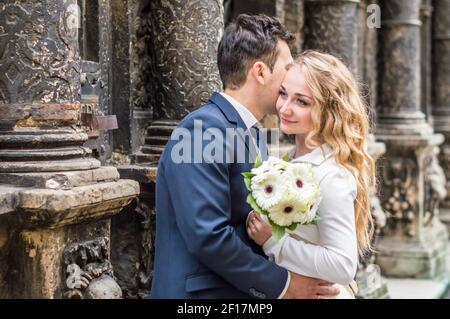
(64, 196)
(35, 269)
(38, 47)
(61, 180)
(183, 63)
(400, 76)
(414, 241)
(50, 166)
(441, 91)
(331, 26)
(7, 198)
(55, 208)
(138, 173)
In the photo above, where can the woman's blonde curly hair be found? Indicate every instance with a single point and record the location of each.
(340, 119)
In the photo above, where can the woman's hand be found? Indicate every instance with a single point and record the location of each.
(258, 229)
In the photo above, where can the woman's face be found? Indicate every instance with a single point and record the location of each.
(295, 103)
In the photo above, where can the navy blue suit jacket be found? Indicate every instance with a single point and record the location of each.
(202, 247)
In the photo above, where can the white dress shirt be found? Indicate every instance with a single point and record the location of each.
(328, 249)
(250, 120)
(246, 116)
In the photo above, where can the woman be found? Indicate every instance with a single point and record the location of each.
(321, 105)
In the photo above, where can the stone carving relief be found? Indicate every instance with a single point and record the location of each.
(89, 273)
(140, 54)
(435, 182)
(184, 72)
(39, 60)
(444, 159)
(146, 218)
(400, 197)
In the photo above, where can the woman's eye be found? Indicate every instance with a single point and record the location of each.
(282, 93)
(302, 102)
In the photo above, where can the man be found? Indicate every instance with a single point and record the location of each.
(202, 247)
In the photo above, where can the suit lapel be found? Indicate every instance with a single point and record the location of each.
(231, 115)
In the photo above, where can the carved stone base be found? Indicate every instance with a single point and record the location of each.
(413, 244)
(47, 213)
(444, 214)
(423, 257)
(371, 285)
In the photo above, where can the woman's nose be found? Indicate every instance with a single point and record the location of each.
(285, 109)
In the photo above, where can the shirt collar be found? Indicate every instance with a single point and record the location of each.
(316, 156)
(247, 117)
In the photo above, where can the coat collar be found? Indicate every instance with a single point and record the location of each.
(316, 156)
(227, 109)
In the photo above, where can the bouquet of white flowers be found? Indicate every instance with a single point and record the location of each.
(286, 193)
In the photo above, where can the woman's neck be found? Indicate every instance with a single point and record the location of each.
(300, 145)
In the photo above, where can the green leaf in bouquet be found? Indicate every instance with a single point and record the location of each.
(251, 201)
(316, 218)
(248, 183)
(277, 231)
(248, 174)
(293, 226)
(258, 161)
(286, 157)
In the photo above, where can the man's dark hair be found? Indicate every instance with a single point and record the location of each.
(246, 40)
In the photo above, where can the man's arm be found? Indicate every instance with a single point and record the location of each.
(200, 195)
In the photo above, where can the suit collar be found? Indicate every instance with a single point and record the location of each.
(231, 114)
(227, 109)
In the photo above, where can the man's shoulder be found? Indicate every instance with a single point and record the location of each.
(209, 115)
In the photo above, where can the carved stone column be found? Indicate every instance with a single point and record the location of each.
(413, 244)
(441, 91)
(183, 65)
(56, 194)
(332, 27)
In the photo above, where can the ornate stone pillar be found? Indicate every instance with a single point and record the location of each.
(60, 195)
(332, 27)
(413, 244)
(183, 65)
(441, 91)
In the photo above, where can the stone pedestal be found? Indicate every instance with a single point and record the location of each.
(55, 226)
(413, 244)
(441, 92)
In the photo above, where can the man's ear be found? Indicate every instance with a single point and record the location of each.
(259, 72)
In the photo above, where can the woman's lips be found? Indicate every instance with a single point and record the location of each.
(286, 121)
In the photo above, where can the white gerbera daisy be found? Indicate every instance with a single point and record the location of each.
(270, 165)
(299, 175)
(312, 212)
(267, 189)
(287, 211)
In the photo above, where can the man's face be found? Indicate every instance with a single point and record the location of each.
(278, 74)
